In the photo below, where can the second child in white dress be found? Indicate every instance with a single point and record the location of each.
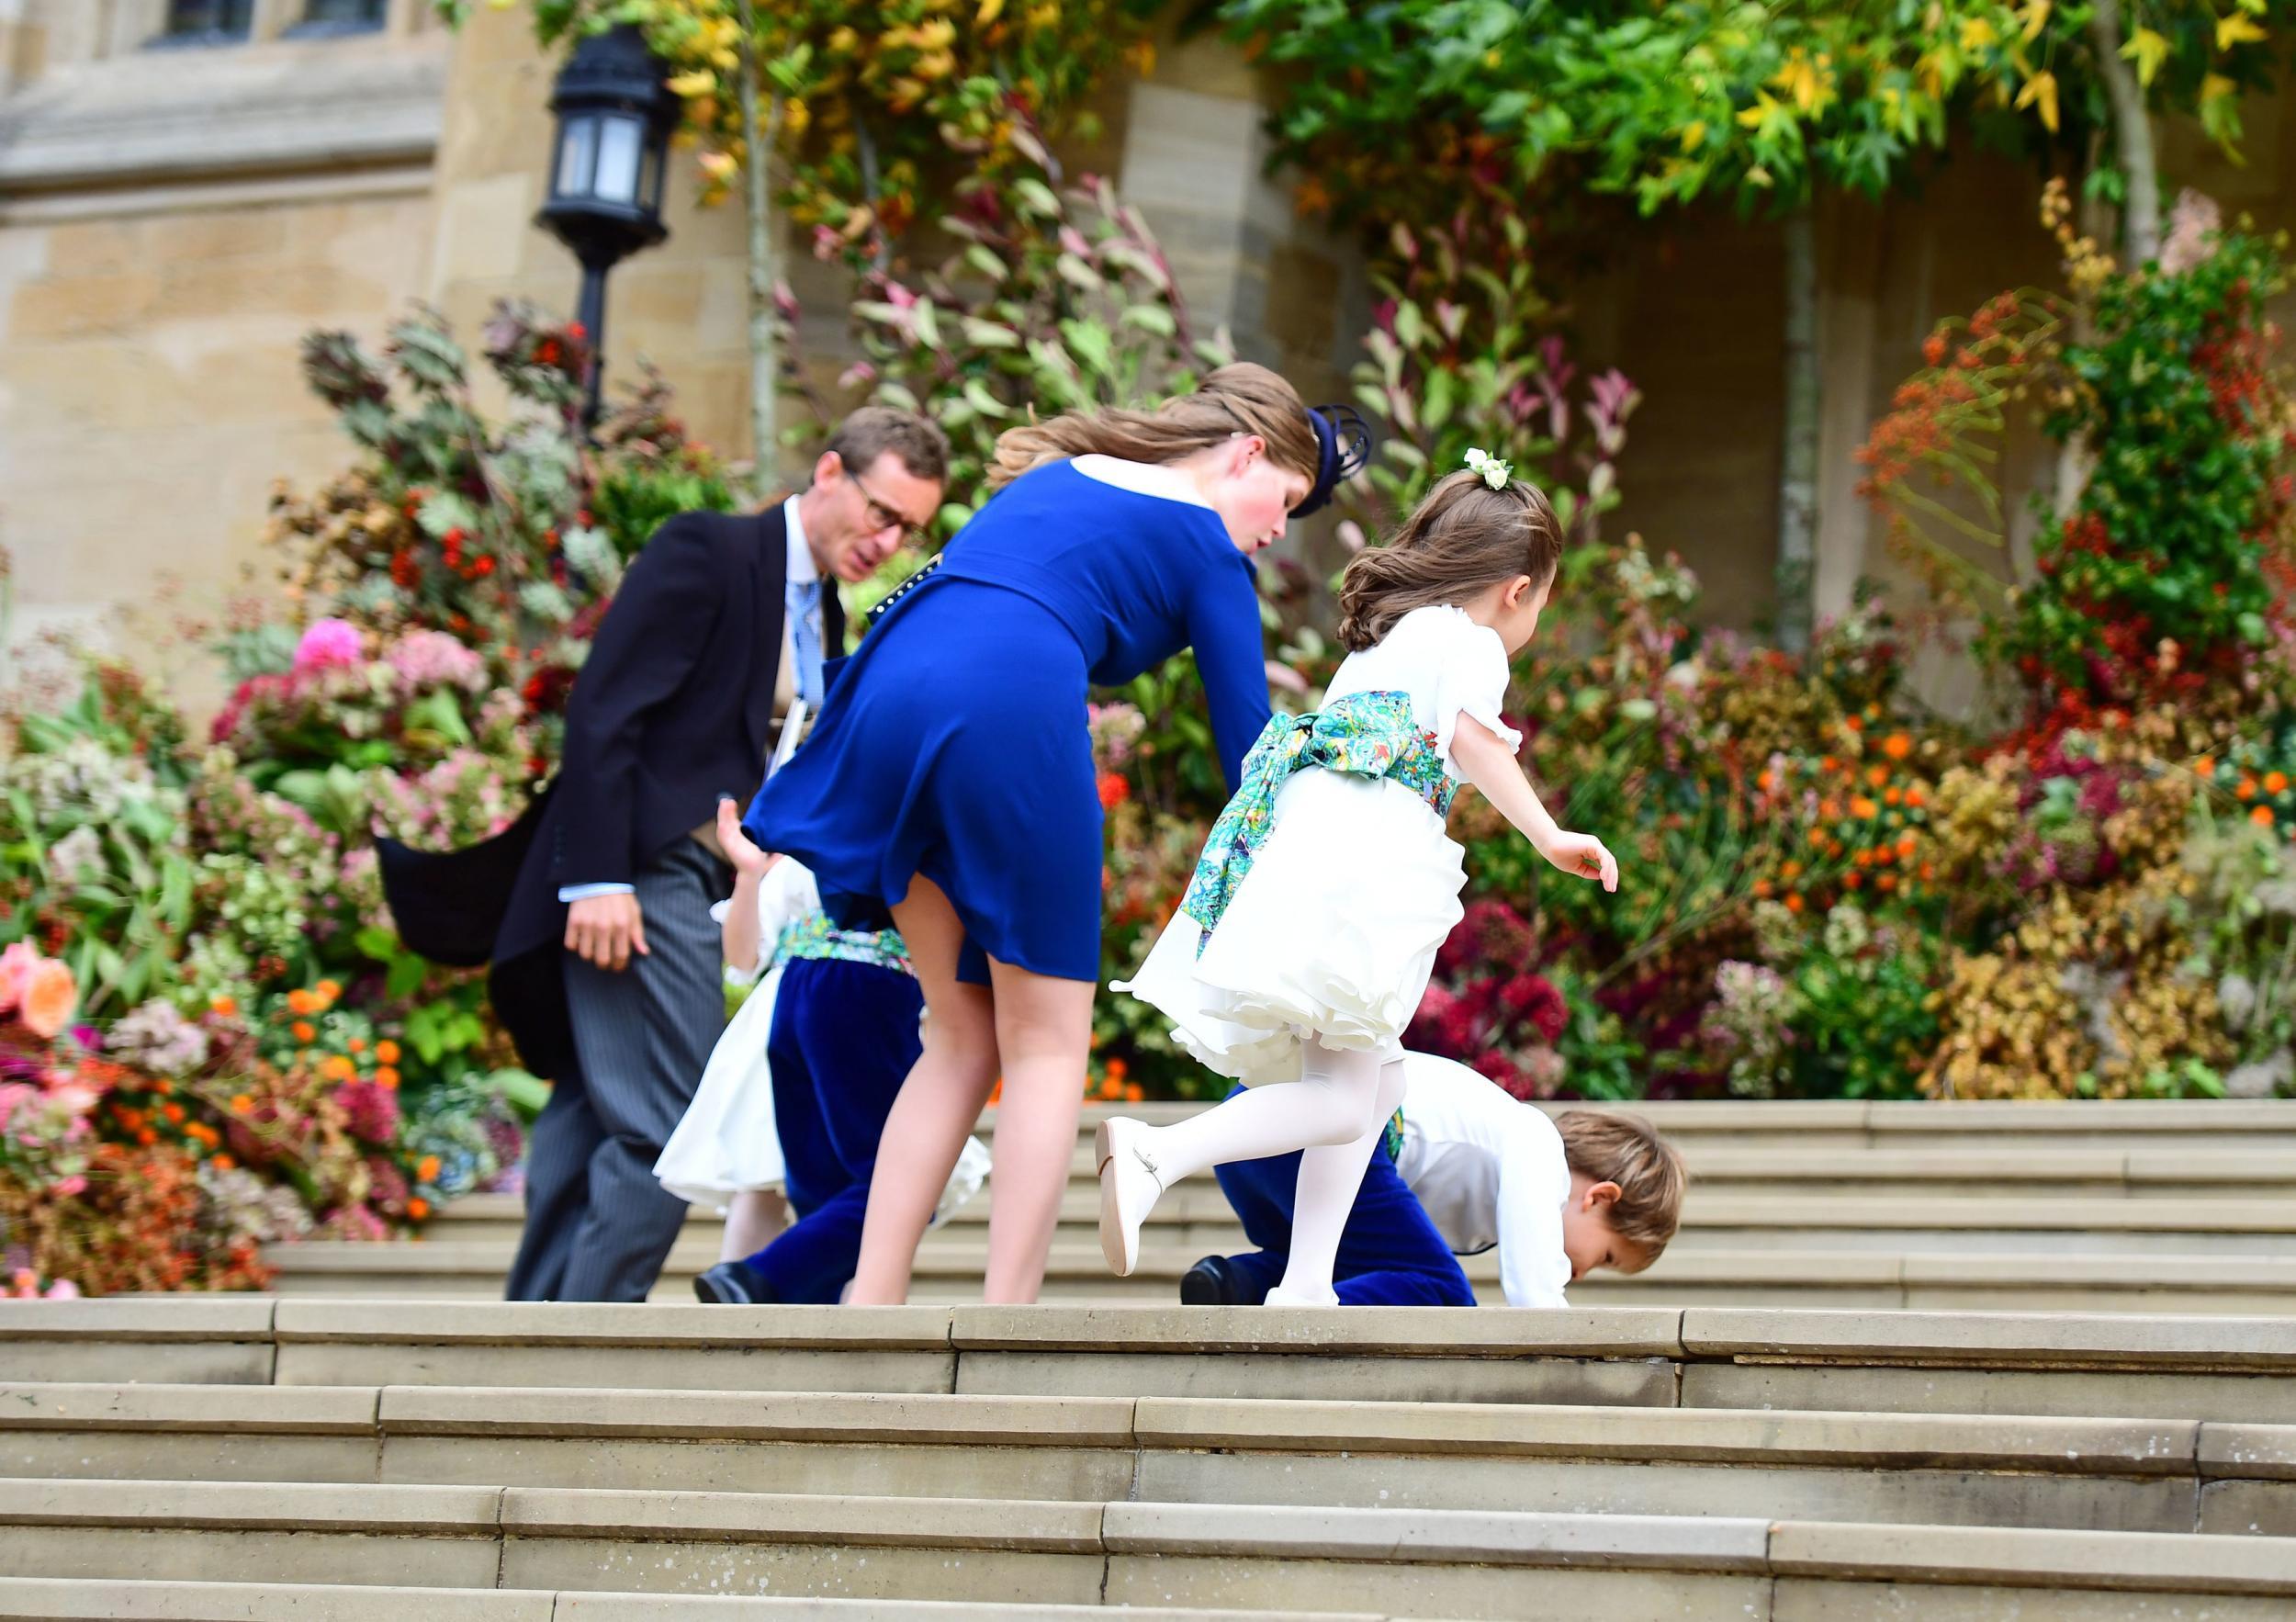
(1306, 940)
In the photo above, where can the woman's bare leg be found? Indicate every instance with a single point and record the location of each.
(1043, 1032)
(938, 1104)
(754, 1219)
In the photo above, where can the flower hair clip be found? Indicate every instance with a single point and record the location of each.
(1495, 473)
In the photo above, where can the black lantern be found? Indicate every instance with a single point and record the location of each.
(615, 112)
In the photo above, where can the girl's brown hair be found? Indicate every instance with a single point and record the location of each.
(1464, 537)
(1239, 399)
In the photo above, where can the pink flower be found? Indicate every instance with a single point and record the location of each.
(329, 644)
(372, 1111)
(15, 968)
(49, 996)
(69, 1187)
(433, 658)
(63, 1289)
(1533, 997)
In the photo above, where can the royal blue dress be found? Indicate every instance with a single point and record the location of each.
(954, 743)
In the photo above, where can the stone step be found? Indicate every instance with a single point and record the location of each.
(128, 1599)
(1451, 1564)
(2134, 1475)
(1194, 1214)
(1700, 1126)
(952, 1267)
(2189, 1367)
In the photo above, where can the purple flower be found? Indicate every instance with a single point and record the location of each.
(330, 644)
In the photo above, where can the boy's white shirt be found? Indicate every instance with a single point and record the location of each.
(1489, 1170)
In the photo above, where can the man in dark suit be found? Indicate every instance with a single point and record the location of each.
(606, 961)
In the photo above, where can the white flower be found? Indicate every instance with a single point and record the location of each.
(2237, 1000)
(2261, 1079)
(1494, 472)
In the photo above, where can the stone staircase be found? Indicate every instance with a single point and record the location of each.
(1760, 1429)
(2150, 1207)
(205, 1458)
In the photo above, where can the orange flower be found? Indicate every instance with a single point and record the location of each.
(1908, 845)
(1767, 781)
(2276, 782)
(426, 1169)
(1888, 881)
(1830, 764)
(223, 1163)
(1794, 902)
(1876, 775)
(358, 1044)
(1854, 723)
(2261, 816)
(1864, 809)
(1916, 799)
(1791, 870)
(1762, 888)
(1929, 870)
(302, 1030)
(329, 990)
(2246, 789)
(387, 1052)
(2205, 765)
(386, 1077)
(335, 1067)
(1896, 746)
(51, 995)
(242, 1104)
(1134, 1093)
(1850, 881)
(1817, 837)
(301, 1001)
(1114, 790)
(417, 1210)
(1890, 795)
(1830, 809)
(1119, 1069)
(175, 1114)
(223, 1006)
(147, 1137)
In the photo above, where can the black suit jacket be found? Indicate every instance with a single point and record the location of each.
(673, 707)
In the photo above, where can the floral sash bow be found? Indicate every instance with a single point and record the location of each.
(813, 936)
(1369, 734)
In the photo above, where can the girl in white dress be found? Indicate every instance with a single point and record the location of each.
(1305, 943)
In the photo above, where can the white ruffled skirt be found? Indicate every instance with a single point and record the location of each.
(1331, 936)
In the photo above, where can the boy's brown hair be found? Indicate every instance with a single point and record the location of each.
(1627, 1150)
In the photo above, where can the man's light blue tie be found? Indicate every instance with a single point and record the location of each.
(805, 634)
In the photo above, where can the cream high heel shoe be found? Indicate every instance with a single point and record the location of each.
(1130, 1187)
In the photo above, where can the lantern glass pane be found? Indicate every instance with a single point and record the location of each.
(651, 187)
(577, 156)
(621, 146)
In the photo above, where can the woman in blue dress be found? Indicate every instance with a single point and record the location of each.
(950, 779)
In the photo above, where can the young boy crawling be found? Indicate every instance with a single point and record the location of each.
(1465, 1167)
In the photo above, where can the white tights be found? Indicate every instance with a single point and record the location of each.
(1334, 1115)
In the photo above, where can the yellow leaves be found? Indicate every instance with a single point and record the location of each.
(1764, 108)
(2236, 29)
(1807, 80)
(796, 119)
(936, 34)
(1142, 56)
(2216, 87)
(1694, 134)
(989, 12)
(2036, 17)
(2040, 93)
(1976, 33)
(2148, 50)
(720, 167)
(935, 64)
(699, 82)
(844, 41)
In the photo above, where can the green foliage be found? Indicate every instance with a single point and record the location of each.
(1058, 300)
(872, 107)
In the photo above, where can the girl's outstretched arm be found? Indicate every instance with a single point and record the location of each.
(1490, 766)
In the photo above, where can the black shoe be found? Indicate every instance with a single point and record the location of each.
(1210, 1283)
(733, 1284)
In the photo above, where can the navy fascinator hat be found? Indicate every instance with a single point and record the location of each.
(1345, 441)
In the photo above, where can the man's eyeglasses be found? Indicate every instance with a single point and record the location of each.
(881, 516)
